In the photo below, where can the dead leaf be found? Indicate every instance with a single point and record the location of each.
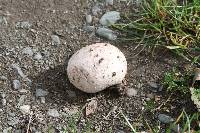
(91, 107)
(196, 76)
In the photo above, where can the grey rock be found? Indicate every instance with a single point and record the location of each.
(13, 121)
(3, 102)
(25, 109)
(71, 94)
(23, 25)
(89, 29)
(3, 78)
(55, 40)
(16, 84)
(106, 33)
(42, 99)
(21, 100)
(3, 95)
(7, 130)
(153, 85)
(96, 9)
(150, 95)
(27, 51)
(165, 118)
(109, 2)
(18, 69)
(88, 19)
(3, 20)
(110, 18)
(40, 93)
(53, 113)
(37, 56)
(130, 92)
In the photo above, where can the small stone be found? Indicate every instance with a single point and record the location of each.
(7, 130)
(23, 25)
(96, 9)
(37, 56)
(3, 102)
(42, 99)
(3, 78)
(27, 51)
(110, 18)
(88, 19)
(106, 33)
(71, 94)
(25, 109)
(3, 95)
(3, 20)
(165, 118)
(109, 2)
(55, 40)
(41, 93)
(16, 84)
(89, 29)
(130, 92)
(53, 113)
(21, 100)
(13, 121)
(151, 96)
(153, 85)
(18, 69)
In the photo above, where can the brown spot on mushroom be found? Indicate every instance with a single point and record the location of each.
(122, 70)
(73, 78)
(113, 74)
(117, 56)
(101, 60)
(106, 44)
(103, 76)
(96, 55)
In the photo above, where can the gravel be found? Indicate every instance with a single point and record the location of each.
(27, 51)
(55, 40)
(37, 56)
(130, 92)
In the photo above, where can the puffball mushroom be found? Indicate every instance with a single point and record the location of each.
(96, 67)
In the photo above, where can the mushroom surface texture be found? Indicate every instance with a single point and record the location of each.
(96, 67)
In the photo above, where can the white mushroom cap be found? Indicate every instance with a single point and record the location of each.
(96, 67)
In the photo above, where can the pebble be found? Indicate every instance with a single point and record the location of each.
(23, 25)
(3, 102)
(42, 99)
(109, 2)
(106, 33)
(3, 20)
(109, 18)
(25, 109)
(153, 85)
(71, 94)
(89, 29)
(150, 95)
(88, 19)
(130, 92)
(55, 40)
(12, 121)
(18, 69)
(16, 84)
(53, 113)
(27, 51)
(21, 100)
(96, 9)
(40, 93)
(3, 78)
(37, 56)
(165, 118)
(7, 130)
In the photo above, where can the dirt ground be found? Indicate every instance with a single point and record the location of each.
(65, 19)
